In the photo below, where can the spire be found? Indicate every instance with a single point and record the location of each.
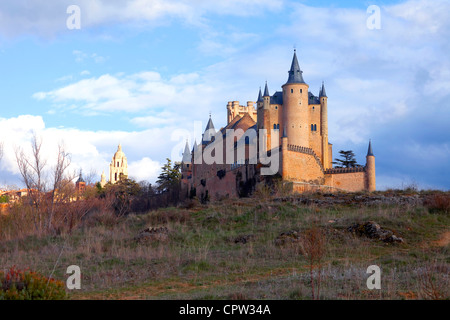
(195, 147)
(209, 131)
(80, 178)
(266, 91)
(186, 153)
(260, 99)
(295, 74)
(323, 93)
(370, 152)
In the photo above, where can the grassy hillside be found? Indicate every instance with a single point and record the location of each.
(253, 248)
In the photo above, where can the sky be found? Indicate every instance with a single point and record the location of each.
(145, 73)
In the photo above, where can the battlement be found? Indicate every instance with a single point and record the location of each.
(306, 150)
(345, 170)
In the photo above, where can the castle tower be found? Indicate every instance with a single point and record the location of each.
(260, 111)
(118, 169)
(326, 159)
(370, 169)
(295, 113)
(186, 163)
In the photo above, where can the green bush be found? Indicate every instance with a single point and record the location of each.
(28, 285)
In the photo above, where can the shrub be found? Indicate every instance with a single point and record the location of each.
(18, 284)
(438, 202)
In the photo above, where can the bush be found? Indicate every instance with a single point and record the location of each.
(438, 202)
(28, 285)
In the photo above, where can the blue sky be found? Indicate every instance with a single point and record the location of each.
(138, 70)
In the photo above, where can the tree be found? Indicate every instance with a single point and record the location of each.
(169, 177)
(37, 181)
(348, 160)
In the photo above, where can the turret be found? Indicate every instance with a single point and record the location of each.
(295, 113)
(209, 133)
(259, 110)
(370, 169)
(326, 157)
(266, 98)
(186, 163)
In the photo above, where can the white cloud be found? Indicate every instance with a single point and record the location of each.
(89, 150)
(48, 18)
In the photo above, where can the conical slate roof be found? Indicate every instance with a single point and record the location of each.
(295, 74)
(266, 91)
(210, 131)
(370, 151)
(186, 153)
(260, 99)
(323, 93)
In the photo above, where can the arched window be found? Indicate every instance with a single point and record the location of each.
(292, 90)
(312, 127)
(278, 126)
(274, 126)
(301, 90)
(315, 127)
(115, 176)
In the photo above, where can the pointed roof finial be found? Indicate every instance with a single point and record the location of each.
(370, 151)
(295, 74)
(323, 93)
(260, 99)
(266, 91)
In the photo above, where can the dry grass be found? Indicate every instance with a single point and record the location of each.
(200, 259)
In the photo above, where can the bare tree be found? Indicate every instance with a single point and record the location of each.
(37, 182)
(314, 248)
(60, 181)
(91, 177)
(32, 172)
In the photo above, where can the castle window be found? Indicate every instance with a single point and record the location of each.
(312, 127)
(115, 176)
(301, 90)
(276, 107)
(117, 163)
(274, 126)
(292, 90)
(315, 127)
(278, 126)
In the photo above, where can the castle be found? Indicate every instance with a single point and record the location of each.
(302, 154)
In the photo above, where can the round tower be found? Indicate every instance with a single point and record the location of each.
(324, 127)
(259, 111)
(295, 113)
(370, 169)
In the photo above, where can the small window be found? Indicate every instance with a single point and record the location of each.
(278, 126)
(292, 90)
(118, 163)
(274, 126)
(276, 107)
(312, 127)
(315, 127)
(301, 90)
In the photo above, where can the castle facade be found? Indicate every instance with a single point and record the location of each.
(291, 128)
